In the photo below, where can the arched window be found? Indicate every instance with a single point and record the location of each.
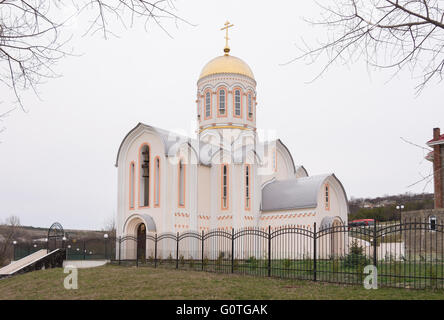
(207, 105)
(222, 102)
(237, 103)
(432, 223)
(224, 185)
(144, 177)
(250, 107)
(157, 182)
(247, 187)
(181, 187)
(327, 197)
(132, 175)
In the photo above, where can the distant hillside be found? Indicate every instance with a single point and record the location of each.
(384, 208)
(26, 233)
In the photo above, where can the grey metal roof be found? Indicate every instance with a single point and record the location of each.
(296, 193)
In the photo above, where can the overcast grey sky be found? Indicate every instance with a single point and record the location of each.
(57, 160)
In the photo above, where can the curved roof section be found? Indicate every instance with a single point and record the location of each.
(172, 142)
(285, 149)
(170, 139)
(327, 222)
(226, 64)
(147, 220)
(299, 193)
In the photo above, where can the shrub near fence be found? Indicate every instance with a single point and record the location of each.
(331, 253)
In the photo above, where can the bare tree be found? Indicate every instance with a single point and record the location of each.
(388, 34)
(11, 230)
(110, 226)
(426, 178)
(32, 37)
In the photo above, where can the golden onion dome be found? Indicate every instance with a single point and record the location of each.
(226, 64)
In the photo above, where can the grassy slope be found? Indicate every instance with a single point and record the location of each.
(114, 282)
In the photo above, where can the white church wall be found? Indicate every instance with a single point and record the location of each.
(301, 218)
(277, 163)
(204, 198)
(182, 213)
(223, 217)
(132, 155)
(283, 170)
(301, 172)
(338, 202)
(230, 82)
(335, 242)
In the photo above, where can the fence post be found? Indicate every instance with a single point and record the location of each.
(315, 235)
(177, 251)
(203, 233)
(375, 259)
(232, 250)
(155, 250)
(84, 249)
(269, 251)
(120, 247)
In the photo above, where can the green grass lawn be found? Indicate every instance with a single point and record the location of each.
(118, 282)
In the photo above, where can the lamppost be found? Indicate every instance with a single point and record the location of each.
(399, 208)
(14, 243)
(63, 242)
(105, 236)
(47, 245)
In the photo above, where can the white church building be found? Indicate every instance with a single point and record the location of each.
(224, 178)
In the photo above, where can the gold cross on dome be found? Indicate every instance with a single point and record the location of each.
(227, 26)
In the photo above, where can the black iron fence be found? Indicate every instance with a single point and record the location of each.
(408, 254)
(76, 249)
(91, 249)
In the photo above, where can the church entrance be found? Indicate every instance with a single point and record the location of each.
(141, 242)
